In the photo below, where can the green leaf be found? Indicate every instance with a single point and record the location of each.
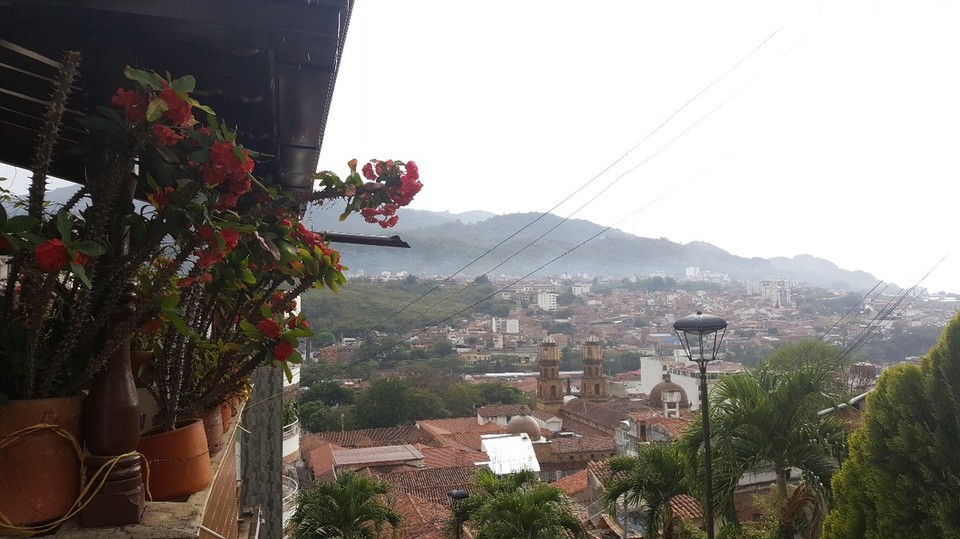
(148, 79)
(20, 223)
(170, 301)
(156, 108)
(178, 323)
(286, 371)
(247, 326)
(81, 274)
(247, 276)
(88, 247)
(185, 83)
(295, 358)
(64, 224)
(266, 312)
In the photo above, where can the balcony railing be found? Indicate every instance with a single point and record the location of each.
(290, 488)
(291, 439)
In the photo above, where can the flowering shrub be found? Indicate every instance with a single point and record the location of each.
(225, 256)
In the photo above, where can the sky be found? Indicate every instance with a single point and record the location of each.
(764, 128)
(837, 137)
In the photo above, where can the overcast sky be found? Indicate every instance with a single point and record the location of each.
(839, 137)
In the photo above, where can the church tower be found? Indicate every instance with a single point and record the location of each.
(549, 385)
(593, 386)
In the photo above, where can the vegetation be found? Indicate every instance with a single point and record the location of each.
(349, 507)
(516, 507)
(650, 480)
(903, 476)
(363, 304)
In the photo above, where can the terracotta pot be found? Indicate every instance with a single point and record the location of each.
(179, 460)
(212, 427)
(40, 473)
(225, 415)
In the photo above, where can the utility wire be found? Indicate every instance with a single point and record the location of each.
(578, 190)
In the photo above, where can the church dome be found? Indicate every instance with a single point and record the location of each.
(524, 424)
(666, 386)
(548, 340)
(593, 339)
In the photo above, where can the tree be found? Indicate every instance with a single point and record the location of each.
(349, 507)
(315, 417)
(902, 478)
(517, 507)
(650, 480)
(768, 419)
(329, 393)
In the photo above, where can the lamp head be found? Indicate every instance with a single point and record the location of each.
(701, 335)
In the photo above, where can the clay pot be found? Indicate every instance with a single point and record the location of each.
(39, 473)
(225, 415)
(212, 427)
(179, 460)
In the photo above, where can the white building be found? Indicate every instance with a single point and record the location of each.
(547, 300)
(684, 373)
(509, 453)
(580, 289)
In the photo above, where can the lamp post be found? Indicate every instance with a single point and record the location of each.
(456, 498)
(701, 335)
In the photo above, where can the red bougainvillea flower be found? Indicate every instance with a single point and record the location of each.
(207, 258)
(165, 136)
(282, 350)
(212, 176)
(178, 111)
(368, 172)
(226, 201)
(269, 328)
(206, 233)
(240, 184)
(133, 105)
(161, 197)
(51, 256)
(150, 326)
(230, 237)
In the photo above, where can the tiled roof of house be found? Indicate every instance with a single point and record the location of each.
(543, 415)
(376, 437)
(459, 424)
(431, 483)
(422, 519)
(469, 441)
(674, 426)
(593, 412)
(573, 425)
(503, 410)
(320, 459)
(572, 484)
(376, 456)
(686, 507)
(598, 444)
(451, 457)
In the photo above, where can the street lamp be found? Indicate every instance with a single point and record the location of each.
(456, 498)
(701, 335)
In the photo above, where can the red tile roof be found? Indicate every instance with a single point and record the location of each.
(422, 519)
(376, 437)
(572, 484)
(320, 459)
(675, 426)
(686, 507)
(459, 424)
(584, 410)
(451, 457)
(503, 410)
(597, 444)
(431, 483)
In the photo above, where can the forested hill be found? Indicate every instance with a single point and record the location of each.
(442, 243)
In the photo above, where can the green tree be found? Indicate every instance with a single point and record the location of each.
(316, 417)
(329, 393)
(768, 419)
(649, 481)
(902, 478)
(517, 507)
(349, 507)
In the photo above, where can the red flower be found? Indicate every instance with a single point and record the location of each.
(212, 175)
(51, 256)
(230, 237)
(178, 110)
(240, 184)
(227, 201)
(368, 172)
(150, 326)
(80, 259)
(207, 259)
(165, 135)
(413, 172)
(186, 282)
(161, 198)
(206, 233)
(269, 328)
(282, 350)
(133, 105)
(205, 278)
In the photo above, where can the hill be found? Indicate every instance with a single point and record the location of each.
(442, 243)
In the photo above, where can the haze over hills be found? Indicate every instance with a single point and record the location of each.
(442, 243)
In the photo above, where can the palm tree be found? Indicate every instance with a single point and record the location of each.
(650, 479)
(517, 507)
(768, 419)
(349, 507)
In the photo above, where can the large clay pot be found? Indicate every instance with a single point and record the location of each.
(179, 460)
(212, 427)
(40, 472)
(225, 415)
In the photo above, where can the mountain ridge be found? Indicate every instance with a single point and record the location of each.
(442, 243)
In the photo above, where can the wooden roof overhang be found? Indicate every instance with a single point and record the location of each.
(266, 66)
